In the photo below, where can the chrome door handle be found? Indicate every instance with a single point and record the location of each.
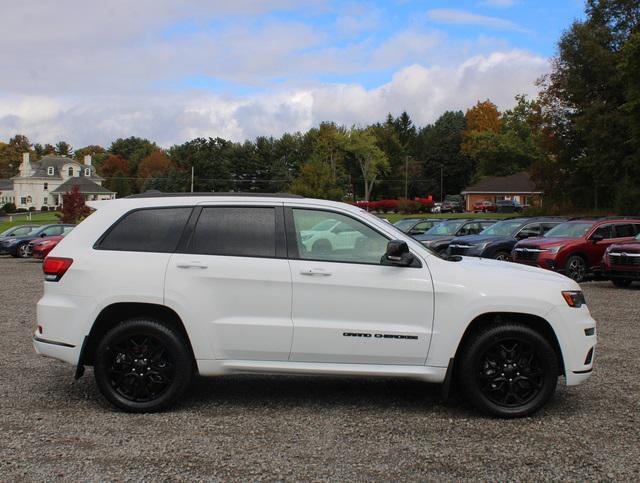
(191, 265)
(315, 271)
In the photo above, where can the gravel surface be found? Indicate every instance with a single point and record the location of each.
(305, 428)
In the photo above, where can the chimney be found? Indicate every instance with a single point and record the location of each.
(87, 160)
(25, 167)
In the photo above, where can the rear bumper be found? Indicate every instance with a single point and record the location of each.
(57, 350)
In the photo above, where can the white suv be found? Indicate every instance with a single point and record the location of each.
(154, 288)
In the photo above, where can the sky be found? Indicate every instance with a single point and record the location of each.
(168, 70)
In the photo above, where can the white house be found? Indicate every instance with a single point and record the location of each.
(42, 183)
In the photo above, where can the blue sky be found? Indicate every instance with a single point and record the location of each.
(173, 70)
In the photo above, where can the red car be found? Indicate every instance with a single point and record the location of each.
(622, 262)
(576, 247)
(484, 206)
(41, 248)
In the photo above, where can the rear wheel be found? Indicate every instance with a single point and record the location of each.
(143, 365)
(576, 268)
(508, 370)
(502, 256)
(621, 282)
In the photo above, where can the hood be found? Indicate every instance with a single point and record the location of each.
(544, 242)
(48, 239)
(517, 271)
(426, 238)
(477, 239)
(628, 245)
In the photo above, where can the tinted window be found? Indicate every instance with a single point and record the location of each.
(532, 229)
(548, 226)
(51, 231)
(625, 230)
(352, 242)
(152, 230)
(247, 232)
(605, 231)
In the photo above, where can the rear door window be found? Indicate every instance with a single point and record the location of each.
(235, 231)
(606, 231)
(625, 230)
(147, 230)
(530, 230)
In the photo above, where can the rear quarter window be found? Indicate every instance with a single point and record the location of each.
(146, 230)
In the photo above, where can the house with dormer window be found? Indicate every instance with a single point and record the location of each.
(42, 183)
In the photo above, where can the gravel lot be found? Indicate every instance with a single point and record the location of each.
(297, 428)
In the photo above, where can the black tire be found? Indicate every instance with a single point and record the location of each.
(576, 268)
(21, 250)
(502, 255)
(508, 370)
(621, 282)
(143, 365)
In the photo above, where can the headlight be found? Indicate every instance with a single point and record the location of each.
(10, 242)
(555, 249)
(575, 298)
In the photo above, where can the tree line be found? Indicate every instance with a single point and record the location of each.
(579, 139)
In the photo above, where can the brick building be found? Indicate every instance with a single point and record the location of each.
(518, 187)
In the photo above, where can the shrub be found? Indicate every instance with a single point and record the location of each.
(21, 210)
(44, 208)
(409, 206)
(9, 208)
(32, 208)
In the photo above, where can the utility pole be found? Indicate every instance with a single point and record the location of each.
(406, 177)
(441, 183)
(192, 179)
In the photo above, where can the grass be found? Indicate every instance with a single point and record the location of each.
(23, 219)
(393, 217)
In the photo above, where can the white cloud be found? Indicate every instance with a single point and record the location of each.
(424, 92)
(463, 17)
(498, 3)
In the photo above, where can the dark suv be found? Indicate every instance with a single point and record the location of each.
(416, 226)
(438, 237)
(498, 240)
(576, 247)
(622, 262)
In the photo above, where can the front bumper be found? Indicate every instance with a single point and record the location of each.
(576, 333)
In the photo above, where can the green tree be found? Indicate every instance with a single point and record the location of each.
(133, 149)
(372, 161)
(11, 155)
(63, 148)
(316, 180)
(98, 154)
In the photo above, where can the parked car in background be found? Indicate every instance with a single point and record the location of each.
(451, 206)
(484, 206)
(40, 248)
(576, 247)
(622, 262)
(18, 246)
(416, 226)
(20, 230)
(508, 206)
(498, 240)
(436, 208)
(439, 237)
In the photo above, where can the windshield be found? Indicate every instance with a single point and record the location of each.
(569, 230)
(404, 224)
(18, 231)
(445, 228)
(502, 228)
(323, 225)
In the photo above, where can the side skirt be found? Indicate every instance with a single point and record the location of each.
(221, 367)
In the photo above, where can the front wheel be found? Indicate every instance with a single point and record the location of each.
(22, 250)
(576, 268)
(143, 365)
(508, 370)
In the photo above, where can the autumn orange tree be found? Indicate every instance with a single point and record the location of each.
(116, 171)
(152, 166)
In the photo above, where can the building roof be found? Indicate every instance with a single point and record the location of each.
(515, 183)
(86, 186)
(41, 167)
(6, 185)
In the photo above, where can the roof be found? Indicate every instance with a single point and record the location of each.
(6, 185)
(515, 183)
(86, 186)
(41, 167)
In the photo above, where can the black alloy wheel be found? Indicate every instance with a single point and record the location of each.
(576, 268)
(509, 370)
(143, 365)
(502, 256)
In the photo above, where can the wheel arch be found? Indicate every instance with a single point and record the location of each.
(113, 314)
(536, 322)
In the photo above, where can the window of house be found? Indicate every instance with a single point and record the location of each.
(70, 171)
(50, 170)
(23, 200)
(147, 230)
(46, 186)
(87, 172)
(235, 231)
(46, 200)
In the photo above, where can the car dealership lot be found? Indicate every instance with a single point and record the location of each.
(268, 427)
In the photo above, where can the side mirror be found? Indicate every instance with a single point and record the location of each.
(522, 236)
(398, 254)
(597, 238)
(42, 235)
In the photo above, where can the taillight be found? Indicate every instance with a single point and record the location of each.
(55, 267)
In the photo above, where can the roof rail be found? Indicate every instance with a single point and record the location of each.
(159, 194)
(603, 218)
